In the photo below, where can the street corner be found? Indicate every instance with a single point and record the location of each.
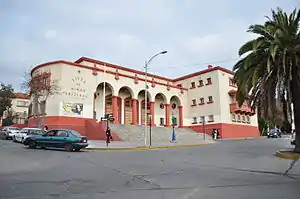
(287, 154)
(146, 148)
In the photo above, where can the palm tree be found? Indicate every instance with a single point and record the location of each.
(268, 75)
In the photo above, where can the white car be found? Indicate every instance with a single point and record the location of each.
(23, 133)
(10, 132)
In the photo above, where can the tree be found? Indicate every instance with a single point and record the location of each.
(39, 87)
(268, 75)
(6, 95)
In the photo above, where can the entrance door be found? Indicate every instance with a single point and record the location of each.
(143, 112)
(127, 111)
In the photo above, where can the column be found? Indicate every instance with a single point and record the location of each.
(167, 114)
(115, 109)
(180, 116)
(134, 111)
(152, 113)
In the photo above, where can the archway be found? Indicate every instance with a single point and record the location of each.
(159, 109)
(175, 105)
(141, 107)
(126, 94)
(98, 100)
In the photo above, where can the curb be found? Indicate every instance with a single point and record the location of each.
(287, 155)
(247, 138)
(146, 148)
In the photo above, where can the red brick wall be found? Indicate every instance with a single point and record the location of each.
(86, 127)
(229, 130)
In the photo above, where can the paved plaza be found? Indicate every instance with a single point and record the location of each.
(233, 169)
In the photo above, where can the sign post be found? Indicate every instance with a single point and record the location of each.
(150, 133)
(108, 118)
(203, 127)
(173, 124)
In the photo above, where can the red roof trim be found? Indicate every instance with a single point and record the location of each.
(120, 68)
(76, 63)
(98, 69)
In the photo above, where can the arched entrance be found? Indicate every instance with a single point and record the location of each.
(141, 107)
(125, 94)
(175, 106)
(99, 100)
(159, 109)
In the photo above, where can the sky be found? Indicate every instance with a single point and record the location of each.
(195, 33)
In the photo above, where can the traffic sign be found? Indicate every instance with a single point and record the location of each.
(103, 119)
(108, 115)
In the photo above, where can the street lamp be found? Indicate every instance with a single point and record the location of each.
(146, 89)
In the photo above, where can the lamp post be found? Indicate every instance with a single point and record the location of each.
(146, 89)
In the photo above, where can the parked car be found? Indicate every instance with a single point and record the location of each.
(274, 133)
(60, 138)
(10, 132)
(23, 133)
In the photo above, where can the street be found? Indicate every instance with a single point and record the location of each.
(233, 169)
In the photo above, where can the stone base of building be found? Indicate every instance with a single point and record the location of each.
(86, 127)
(229, 130)
(96, 130)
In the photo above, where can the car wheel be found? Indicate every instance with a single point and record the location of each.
(69, 147)
(77, 149)
(14, 139)
(32, 144)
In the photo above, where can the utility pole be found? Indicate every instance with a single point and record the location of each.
(146, 90)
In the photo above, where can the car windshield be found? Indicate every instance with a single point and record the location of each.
(35, 132)
(75, 133)
(13, 128)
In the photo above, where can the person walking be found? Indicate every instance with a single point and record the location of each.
(108, 136)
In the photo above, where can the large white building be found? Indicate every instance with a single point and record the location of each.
(207, 95)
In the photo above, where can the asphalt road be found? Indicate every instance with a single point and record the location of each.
(228, 170)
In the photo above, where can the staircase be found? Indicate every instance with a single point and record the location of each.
(159, 135)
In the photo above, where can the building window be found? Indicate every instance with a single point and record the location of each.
(179, 85)
(201, 100)
(193, 85)
(194, 120)
(231, 82)
(243, 119)
(211, 118)
(22, 103)
(210, 99)
(193, 102)
(248, 119)
(200, 83)
(233, 117)
(232, 99)
(208, 81)
(162, 121)
(162, 106)
(202, 118)
(238, 118)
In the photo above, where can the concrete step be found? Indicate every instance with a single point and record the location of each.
(136, 134)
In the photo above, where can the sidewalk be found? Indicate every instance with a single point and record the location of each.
(123, 145)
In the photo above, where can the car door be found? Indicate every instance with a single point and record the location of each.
(61, 138)
(21, 135)
(47, 139)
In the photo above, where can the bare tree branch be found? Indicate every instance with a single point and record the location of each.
(39, 87)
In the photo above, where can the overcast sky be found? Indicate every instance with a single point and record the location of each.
(127, 32)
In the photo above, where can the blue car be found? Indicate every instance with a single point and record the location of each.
(274, 133)
(59, 138)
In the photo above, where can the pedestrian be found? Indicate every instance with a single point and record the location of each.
(46, 128)
(108, 136)
(214, 134)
